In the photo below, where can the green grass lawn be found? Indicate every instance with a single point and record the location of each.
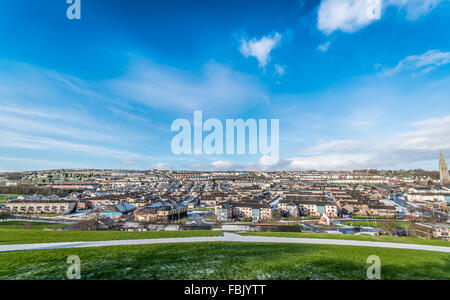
(352, 237)
(362, 224)
(34, 225)
(202, 209)
(366, 217)
(300, 218)
(400, 225)
(3, 197)
(236, 261)
(9, 236)
(44, 215)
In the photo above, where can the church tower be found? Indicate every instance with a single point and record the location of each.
(443, 171)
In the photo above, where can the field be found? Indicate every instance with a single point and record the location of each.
(203, 209)
(370, 238)
(399, 225)
(365, 217)
(44, 215)
(208, 261)
(13, 232)
(22, 225)
(10, 233)
(220, 260)
(3, 197)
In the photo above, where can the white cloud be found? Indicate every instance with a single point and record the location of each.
(33, 142)
(26, 164)
(280, 70)
(434, 122)
(352, 15)
(420, 64)
(260, 49)
(162, 166)
(222, 165)
(324, 47)
(339, 146)
(47, 127)
(218, 165)
(415, 8)
(32, 124)
(331, 162)
(217, 88)
(420, 144)
(344, 15)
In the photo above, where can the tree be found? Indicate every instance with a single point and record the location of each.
(276, 216)
(93, 223)
(388, 226)
(411, 231)
(4, 215)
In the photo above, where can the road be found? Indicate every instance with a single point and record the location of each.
(227, 237)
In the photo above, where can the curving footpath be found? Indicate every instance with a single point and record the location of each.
(227, 237)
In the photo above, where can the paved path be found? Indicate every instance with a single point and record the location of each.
(228, 237)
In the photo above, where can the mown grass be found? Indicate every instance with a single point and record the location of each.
(26, 236)
(399, 225)
(365, 217)
(388, 239)
(30, 225)
(235, 261)
(44, 215)
(3, 197)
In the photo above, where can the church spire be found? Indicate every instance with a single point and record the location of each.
(443, 171)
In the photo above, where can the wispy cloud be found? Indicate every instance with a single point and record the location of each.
(23, 141)
(43, 127)
(419, 144)
(280, 70)
(223, 165)
(26, 164)
(415, 8)
(162, 166)
(419, 64)
(324, 47)
(45, 112)
(217, 88)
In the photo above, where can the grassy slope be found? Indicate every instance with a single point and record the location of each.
(12, 232)
(225, 261)
(387, 239)
(24, 236)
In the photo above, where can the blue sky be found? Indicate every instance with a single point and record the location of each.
(350, 91)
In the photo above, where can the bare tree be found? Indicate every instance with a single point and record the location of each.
(412, 232)
(388, 226)
(4, 215)
(93, 224)
(276, 216)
